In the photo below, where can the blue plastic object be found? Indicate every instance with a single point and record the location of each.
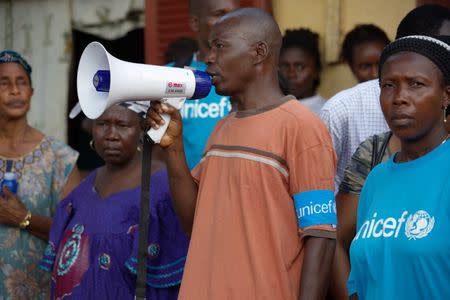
(10, 182)
(202, 84)
(102, 80)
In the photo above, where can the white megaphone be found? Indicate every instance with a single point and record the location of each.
(104, 80)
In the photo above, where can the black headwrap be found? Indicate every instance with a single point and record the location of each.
(437, 49)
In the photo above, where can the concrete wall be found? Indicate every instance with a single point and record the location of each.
(332, 19)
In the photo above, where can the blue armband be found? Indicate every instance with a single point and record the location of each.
(316, 207)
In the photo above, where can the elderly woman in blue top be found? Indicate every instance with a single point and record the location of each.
(401, 249)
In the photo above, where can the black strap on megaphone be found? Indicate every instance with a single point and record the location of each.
(141, 281)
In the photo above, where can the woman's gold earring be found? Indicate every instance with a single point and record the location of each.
(139, 149)
(91, 144)
(445, 114)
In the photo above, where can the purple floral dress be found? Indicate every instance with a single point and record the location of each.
(93, 246)
(42, 174)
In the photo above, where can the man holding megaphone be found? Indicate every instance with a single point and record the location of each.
(260, 204)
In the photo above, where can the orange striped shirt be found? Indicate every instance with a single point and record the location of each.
(246, 243)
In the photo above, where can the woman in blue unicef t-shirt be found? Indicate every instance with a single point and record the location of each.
(401, 249)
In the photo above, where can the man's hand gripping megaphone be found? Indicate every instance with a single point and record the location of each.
(164, 121)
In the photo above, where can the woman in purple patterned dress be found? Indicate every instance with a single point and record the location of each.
(93, 246)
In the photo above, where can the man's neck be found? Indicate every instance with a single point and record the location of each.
(306, 94)
(259, 94)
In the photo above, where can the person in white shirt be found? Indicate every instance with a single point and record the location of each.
(351, 116)
(300, 66)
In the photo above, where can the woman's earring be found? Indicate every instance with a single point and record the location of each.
(141, 142)
(445, 114)
(91, 144)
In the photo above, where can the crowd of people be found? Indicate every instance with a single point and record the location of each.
(277, 193)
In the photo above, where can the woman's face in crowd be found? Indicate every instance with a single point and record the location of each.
(116, 134)
(365, 59)
(412, 95)
(298, 68)
(15, 91)
(210, 12)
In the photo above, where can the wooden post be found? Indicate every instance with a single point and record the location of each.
(151, 32)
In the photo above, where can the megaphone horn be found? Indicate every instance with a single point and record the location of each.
(103, 80)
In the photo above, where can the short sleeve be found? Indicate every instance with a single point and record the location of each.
(168, 244)
(334, 117)
(356, 273)
(197, 171)
(359, 167)
(59, 224)
(64, 161)
(312, 170)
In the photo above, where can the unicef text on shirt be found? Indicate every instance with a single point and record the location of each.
(198, 109)
(418, 225)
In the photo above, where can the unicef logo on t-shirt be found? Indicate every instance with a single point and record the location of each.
(198, 109)
(418, 225)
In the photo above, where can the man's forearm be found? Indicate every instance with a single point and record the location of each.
(318, 258)
(182, 186)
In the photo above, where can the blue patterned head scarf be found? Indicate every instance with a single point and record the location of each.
(8, 56)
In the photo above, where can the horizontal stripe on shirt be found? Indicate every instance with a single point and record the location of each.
(247, 153)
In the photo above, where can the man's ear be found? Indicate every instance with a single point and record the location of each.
(261, 52)
(193, 23)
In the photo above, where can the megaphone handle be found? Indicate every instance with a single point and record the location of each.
(156, 134)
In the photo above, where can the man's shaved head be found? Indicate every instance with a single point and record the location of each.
(255, 26)
(244, 53)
